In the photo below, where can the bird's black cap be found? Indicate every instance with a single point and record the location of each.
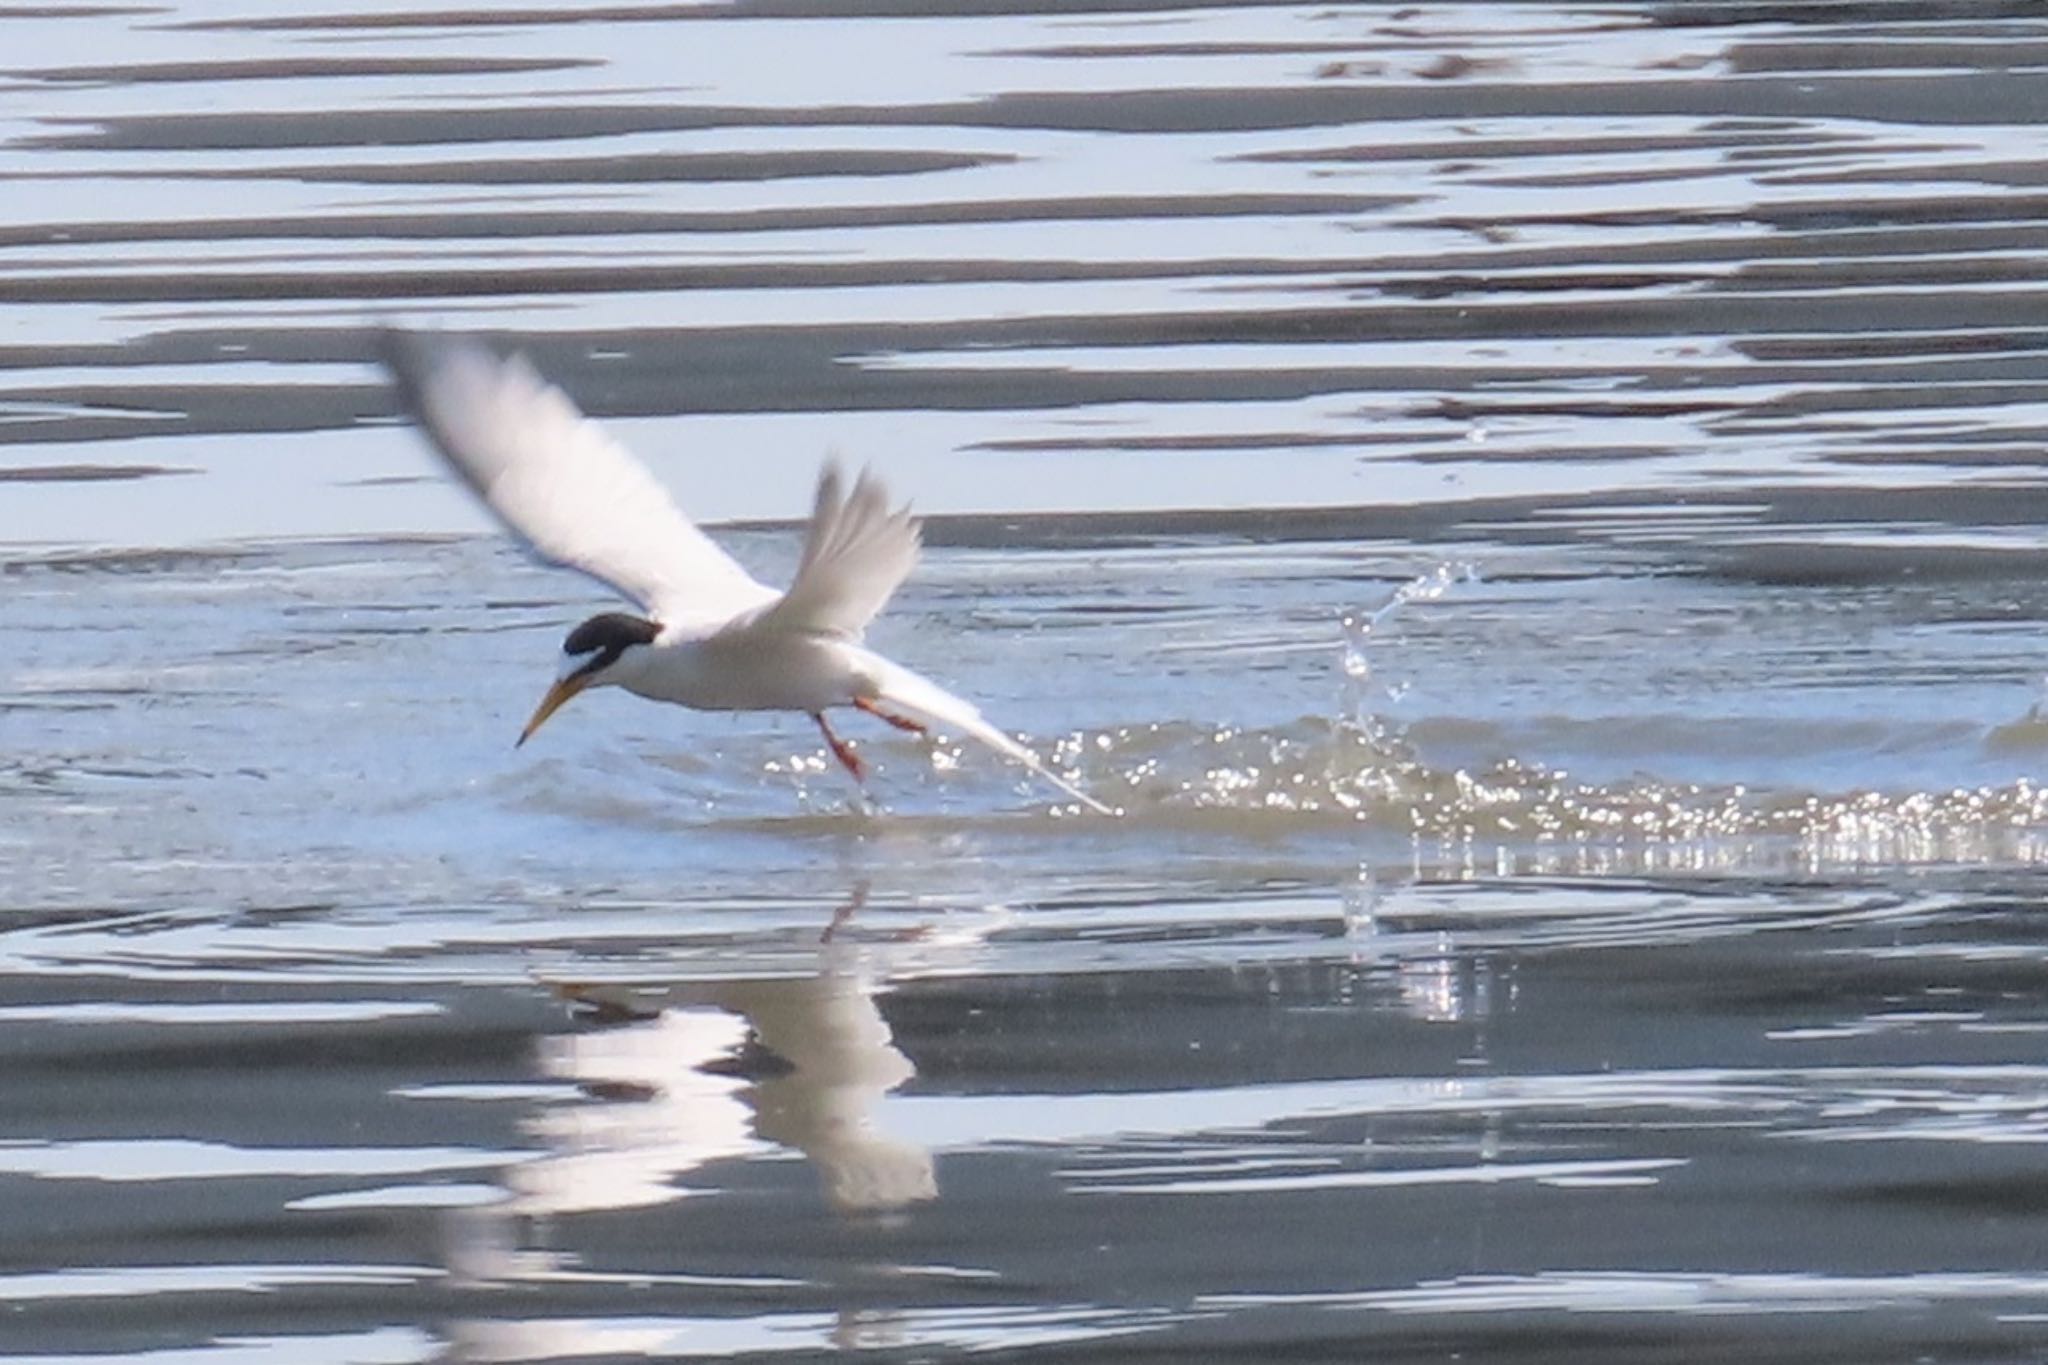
(606, 636)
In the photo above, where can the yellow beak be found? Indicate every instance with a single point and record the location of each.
(557, 697)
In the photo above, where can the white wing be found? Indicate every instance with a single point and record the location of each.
(559, 483)
(856, 555)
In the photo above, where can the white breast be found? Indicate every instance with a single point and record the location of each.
(748, 670)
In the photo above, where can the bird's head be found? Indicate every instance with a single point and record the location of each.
(590, 658)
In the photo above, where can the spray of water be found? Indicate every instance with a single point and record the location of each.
(1367, 753)
(1362, 692)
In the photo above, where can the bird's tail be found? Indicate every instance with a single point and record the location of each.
(922, 699)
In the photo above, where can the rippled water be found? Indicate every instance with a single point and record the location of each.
(1532, 512)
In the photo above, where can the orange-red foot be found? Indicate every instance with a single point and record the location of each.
(841, 750)
(900, 722)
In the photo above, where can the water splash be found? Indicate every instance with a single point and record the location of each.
(1518, 817)
(1361, 689)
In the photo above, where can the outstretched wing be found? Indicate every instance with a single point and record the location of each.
(856, 555)
(560, 484)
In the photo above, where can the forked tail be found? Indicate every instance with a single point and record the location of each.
(926, 701)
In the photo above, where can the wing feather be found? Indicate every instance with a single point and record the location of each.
(858, 552)
(557, 481)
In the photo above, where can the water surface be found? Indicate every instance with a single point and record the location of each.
(1532, 512)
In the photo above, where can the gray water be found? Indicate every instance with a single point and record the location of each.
(1533, 513)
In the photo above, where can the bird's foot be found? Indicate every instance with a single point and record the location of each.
(900, 722)
(842, 751)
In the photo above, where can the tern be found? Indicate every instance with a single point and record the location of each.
(712, 637)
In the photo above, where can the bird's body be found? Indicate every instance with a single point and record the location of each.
(748, 670)
(713, 638)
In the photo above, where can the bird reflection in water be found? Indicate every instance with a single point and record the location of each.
(701, 1071)
(673, 1079)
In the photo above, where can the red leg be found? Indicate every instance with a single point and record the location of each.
(846, 911)
(900, 722)
(842, 751)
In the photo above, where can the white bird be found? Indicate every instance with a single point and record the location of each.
(713, 638)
